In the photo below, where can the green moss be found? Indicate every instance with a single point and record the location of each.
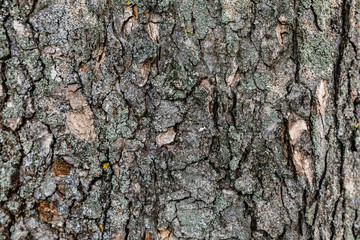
(164, 4)
(25, 43)
(20, 10)
(235, 138)
(15, 78)
(80, 41)
(44, 39)
(46, 87)
(93, 205)
(309, 214)
(143, 48)
(118, 128)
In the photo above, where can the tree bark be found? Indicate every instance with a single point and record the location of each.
(189, 119)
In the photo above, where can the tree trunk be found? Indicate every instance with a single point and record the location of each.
(188, 119)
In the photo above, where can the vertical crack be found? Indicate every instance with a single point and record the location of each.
(345, 25)
(295, 41)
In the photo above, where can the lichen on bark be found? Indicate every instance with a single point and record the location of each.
(191, 119)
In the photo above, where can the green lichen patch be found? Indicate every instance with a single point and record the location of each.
(195, 221)
(14, 108)
(176, 84)
(202, 18)
(120, 123)
(84, 154)
(15, 77)
(4, 46)
(246, 184)
(231, 9)
(51, 118)
(316, 55)
(322, 9)
(10, 155)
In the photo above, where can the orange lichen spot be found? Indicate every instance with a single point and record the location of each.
(101, 227)
(188, 28)
(124, 110)
(61, 168)
(128, 3)
(106, 165)
(48, 211)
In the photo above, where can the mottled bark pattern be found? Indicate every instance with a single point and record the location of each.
(179, 119)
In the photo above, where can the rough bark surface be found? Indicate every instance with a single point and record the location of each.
(179, 119)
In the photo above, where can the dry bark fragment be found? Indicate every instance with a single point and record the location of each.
(61, 168)
(48, 211)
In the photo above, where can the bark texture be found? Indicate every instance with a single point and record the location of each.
(179, 119)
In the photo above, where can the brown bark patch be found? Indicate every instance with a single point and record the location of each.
(81, 125)
(148, 236)
(303, 165)
(48, 211)
(143, 72)
(152, 28)
(296, 127)
(165, 235)
(166, 137)
(206, 85)
(61, 168)
(74, 95)
(322, 95)
(21, 29)
(80, 121)
(130, 22)
(62, 190)
(280, 30)
(13, 123)
(83, 68)
(135, 12)
(117, 236)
